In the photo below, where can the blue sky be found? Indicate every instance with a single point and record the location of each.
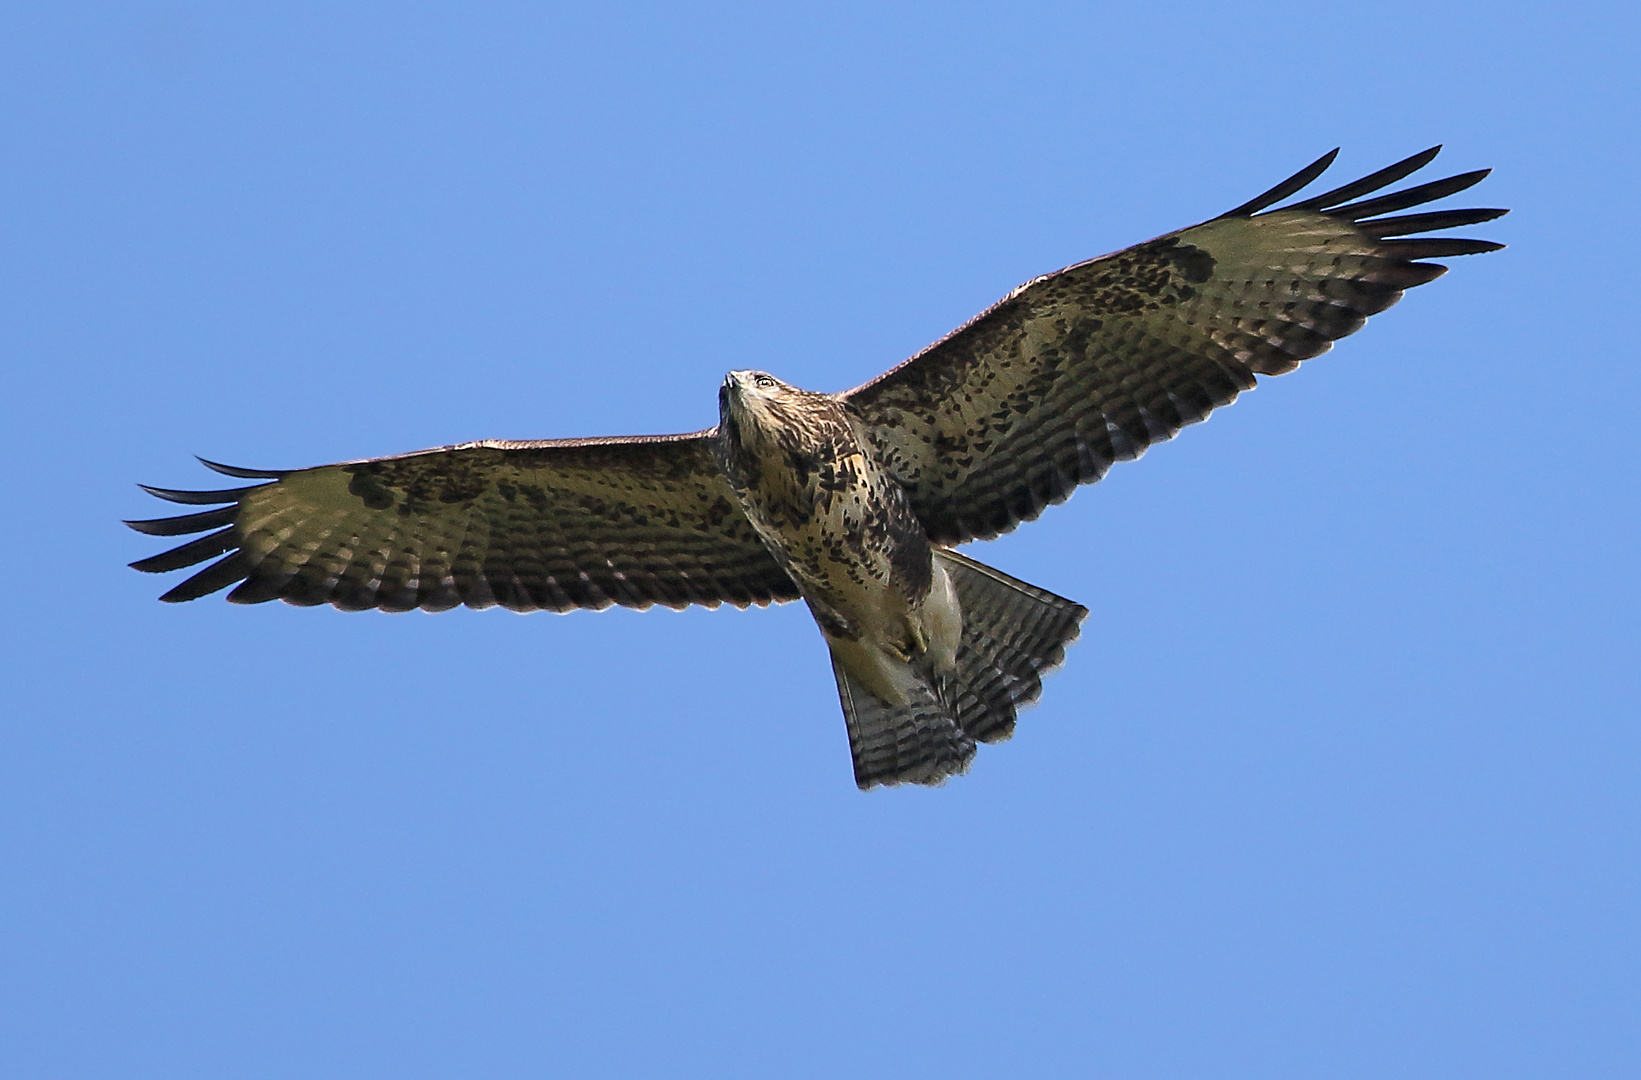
(1340, 781)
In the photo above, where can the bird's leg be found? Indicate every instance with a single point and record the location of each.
(911, 643)
(919, 642)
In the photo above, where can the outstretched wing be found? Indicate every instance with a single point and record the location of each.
(550, 526)
(1088, 366)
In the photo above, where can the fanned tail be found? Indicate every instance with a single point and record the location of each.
(1013, 635)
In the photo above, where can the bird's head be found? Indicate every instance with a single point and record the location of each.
(761, 418)
(753, 399)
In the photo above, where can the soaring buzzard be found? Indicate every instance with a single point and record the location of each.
(854, 501)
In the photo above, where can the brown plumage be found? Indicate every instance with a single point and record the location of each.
(852, 501)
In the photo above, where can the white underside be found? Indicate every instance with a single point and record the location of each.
(899, 647)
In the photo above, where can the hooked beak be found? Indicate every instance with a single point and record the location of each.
(730, 391)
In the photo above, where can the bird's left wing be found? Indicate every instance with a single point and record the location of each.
(1088, 366)
(581, 523)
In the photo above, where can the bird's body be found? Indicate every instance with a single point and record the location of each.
(840, 527)
(854, 501)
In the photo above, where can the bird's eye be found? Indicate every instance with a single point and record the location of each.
(763, 381)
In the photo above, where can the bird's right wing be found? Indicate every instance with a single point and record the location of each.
(580, 523)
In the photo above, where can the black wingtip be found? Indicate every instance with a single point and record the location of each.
(186, 523)
(244, 474)
(1437, 247)
(194, 551)
(1380, 228)
(199, 498)
(1292, 184)
(219, 575)
(1413, 196)
(1370, 183)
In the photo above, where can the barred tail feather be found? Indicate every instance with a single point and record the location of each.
(916, 743)
(1013, 635)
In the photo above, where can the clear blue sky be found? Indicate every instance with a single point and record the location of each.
(1341, 780)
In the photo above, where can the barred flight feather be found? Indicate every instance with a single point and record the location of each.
(529, 526)
(1091, 365)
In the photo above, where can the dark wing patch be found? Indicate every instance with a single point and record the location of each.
(1091, 365)
(530, 526)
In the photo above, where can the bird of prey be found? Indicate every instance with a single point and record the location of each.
(854, 502)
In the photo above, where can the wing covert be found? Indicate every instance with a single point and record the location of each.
(582, 523)
(1091, 365)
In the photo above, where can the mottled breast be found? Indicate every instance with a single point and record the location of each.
(840, 526)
